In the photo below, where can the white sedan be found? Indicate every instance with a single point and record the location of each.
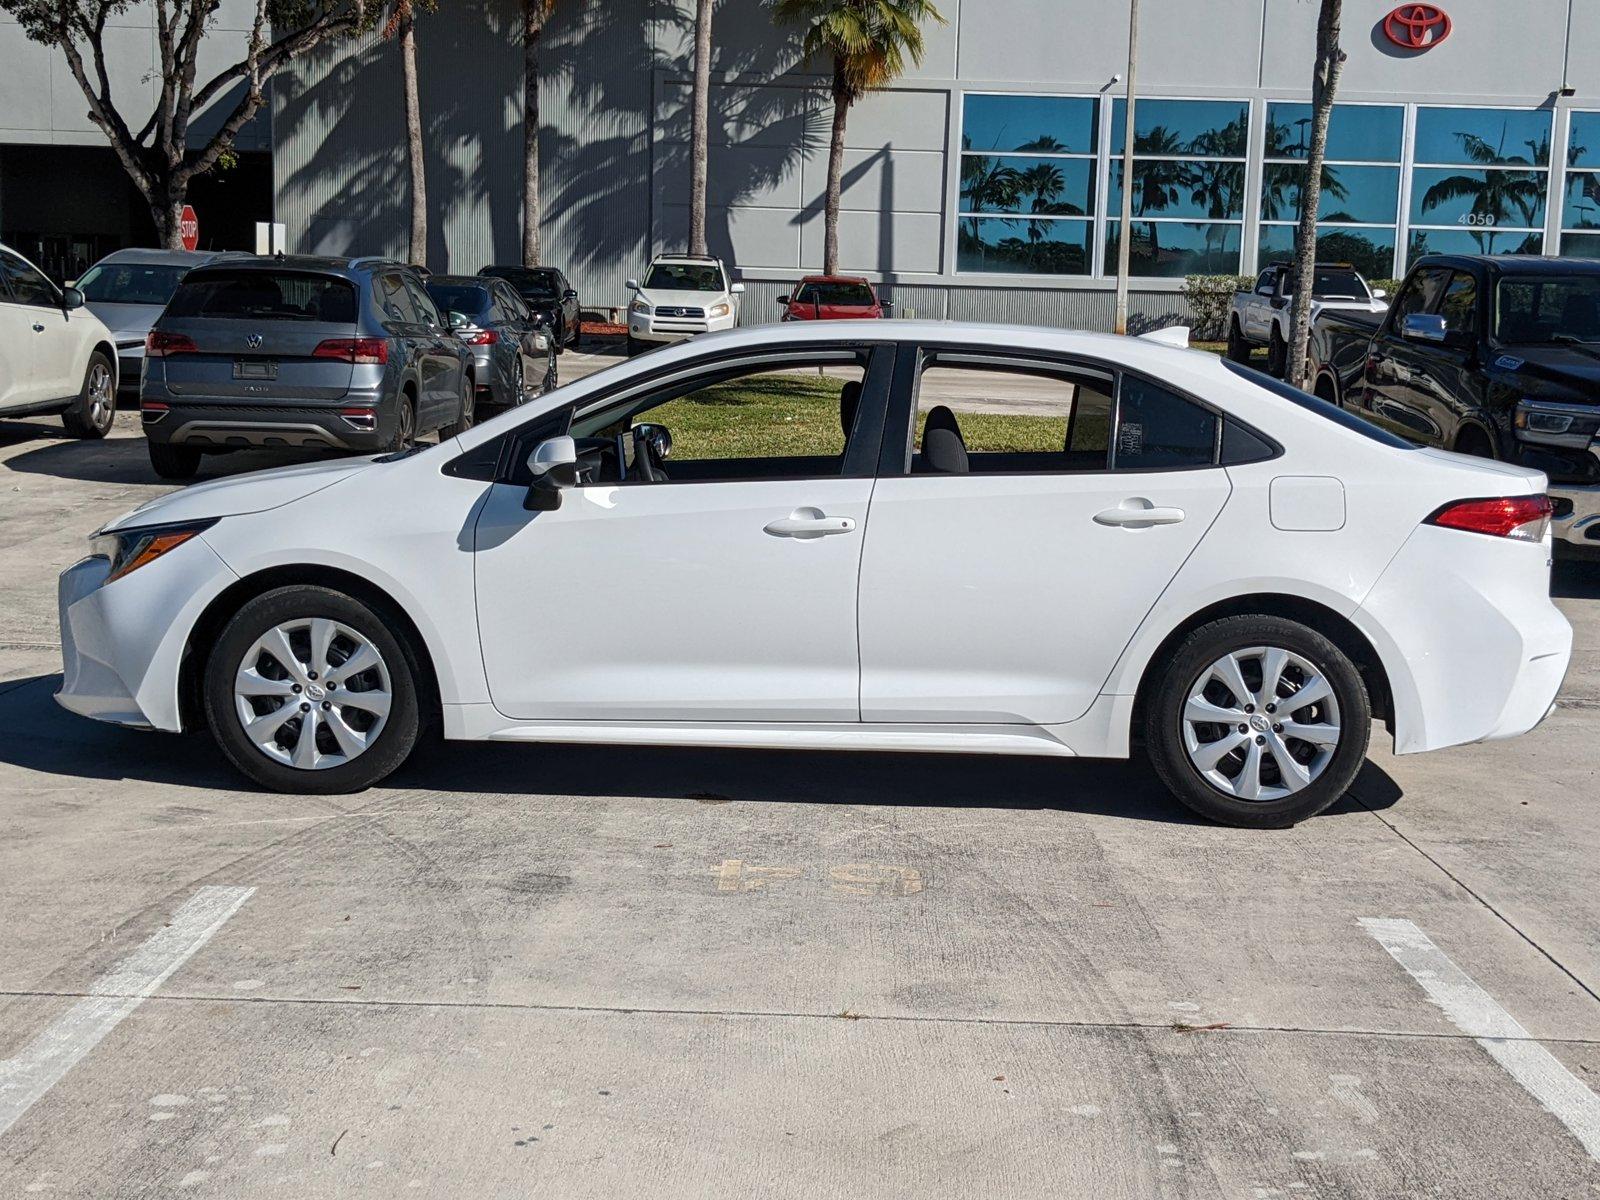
(873, 536)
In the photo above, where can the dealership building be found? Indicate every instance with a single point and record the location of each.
(984, 185)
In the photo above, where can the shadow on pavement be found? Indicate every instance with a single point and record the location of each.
(117, 459)
(55, 741)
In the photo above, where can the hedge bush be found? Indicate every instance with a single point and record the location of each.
(1210, 297)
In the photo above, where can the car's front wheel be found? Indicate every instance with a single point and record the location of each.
(1258, 721)
(308, 690)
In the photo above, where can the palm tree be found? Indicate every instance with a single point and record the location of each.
(403, 23)
(869, 42)
(534, 15)
(699, 127)
(1324, 86)
(1495, 195)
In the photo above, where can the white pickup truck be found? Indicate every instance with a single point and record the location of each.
(1261, 317)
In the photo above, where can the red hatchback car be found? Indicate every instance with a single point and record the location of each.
(833, 298)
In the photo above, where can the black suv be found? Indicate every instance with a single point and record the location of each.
(309, 353)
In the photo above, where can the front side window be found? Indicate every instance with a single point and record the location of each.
(1419, 294)
(685, 277)
(1479, 183)
(1460, 304)
(28, 285)
(427, 311)
(789, 421)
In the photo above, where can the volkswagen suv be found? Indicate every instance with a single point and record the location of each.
(302, 353)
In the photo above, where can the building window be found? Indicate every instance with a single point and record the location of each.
(1479, 180)
(1580, 215)
(1027, 184)
(1188, 186)
(1360, 206)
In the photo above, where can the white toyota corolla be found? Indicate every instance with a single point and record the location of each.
(874, 536)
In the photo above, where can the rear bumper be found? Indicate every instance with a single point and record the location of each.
(1577, 514)
(358, 421)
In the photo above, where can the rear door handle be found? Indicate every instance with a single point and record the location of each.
(1138, 513)
(38, 328)
(808, 523)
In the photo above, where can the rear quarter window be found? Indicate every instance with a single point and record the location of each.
(257, 294)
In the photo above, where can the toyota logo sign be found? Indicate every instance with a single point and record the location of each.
(1417, 26)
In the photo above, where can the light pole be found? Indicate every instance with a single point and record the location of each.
(1125, 240)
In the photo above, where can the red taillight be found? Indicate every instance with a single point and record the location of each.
(481, 337)
(1524, 518)
(162, 345)
(353, 350)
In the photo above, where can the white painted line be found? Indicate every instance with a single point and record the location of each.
(40, 1064)
(1476, 1013)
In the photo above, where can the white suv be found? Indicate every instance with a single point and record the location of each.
(55, 355)
(682, 295)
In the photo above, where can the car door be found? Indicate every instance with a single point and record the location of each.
(1001, 582)
(1258, 309)
(443, 361)
(16, 347)
(50, 349)
(519, 329)
(1390, 389)
(726, 592)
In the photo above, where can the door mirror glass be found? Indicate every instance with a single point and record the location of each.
(458, 320)
(554, 466)
(1379, 294)
(632, 285)
(71, 298)
(569, 294)
(737, 289)
(1423, 327)
(782, 301)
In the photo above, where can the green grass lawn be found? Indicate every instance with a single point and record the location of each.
(794, 415)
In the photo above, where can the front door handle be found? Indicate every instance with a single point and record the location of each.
(38, 328)
(1138, 513)
(808, 523)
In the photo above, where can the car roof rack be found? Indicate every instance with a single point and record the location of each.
(710, 258)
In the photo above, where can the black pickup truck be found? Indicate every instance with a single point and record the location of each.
(1497, 356)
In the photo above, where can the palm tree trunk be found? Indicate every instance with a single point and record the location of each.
(699, 128)
(418, 251)
(830, 214)
(533, 14)
(1324, 86)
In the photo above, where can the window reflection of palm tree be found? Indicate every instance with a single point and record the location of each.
(1158, 182)
(1588, 185)
(989, 184)
(1218, 187)
(1495, 194)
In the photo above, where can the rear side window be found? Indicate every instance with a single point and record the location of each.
(256, 294)
(1305, 400)
(1159, 430)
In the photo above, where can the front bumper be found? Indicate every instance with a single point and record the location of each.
(122, 643)
(648, 327)
(130, 367)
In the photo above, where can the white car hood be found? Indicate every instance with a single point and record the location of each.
(255, 492)
(127, 322)
(655, 297)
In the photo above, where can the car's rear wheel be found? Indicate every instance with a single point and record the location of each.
(405, 424)
(1258, 721)
(1238, 348)
(174, 462)
(465, 414)
(1277, 354)
(95, 408)
(308, 690)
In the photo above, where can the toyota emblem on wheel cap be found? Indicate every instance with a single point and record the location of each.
(253, 341)
(1417, 26)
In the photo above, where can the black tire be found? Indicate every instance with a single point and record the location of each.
(519, 382)
(1277, 354)
(393, 742)
(1238, 348)
(93, 412)
(1167, 699)
(1328, 390)
(577, 332)
(174, 462)
(405, 424)
(558, 335)
(466, 414)
(635, 346)
(1475, 442)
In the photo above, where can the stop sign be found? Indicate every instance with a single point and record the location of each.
(189, 227)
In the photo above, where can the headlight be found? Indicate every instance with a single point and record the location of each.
(640, 307)
(721, 310)
(129, 549)
(1553, 418)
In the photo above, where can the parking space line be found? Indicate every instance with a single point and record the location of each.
(1478, 1015)
(40, 1064)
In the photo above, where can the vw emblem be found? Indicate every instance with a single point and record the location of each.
(1417, 26)
(253, 341)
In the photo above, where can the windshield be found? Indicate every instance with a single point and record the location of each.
(465, 298)
(684, 277)
(530, 285)
(850, 294)
(1545, 311)
(131, 283)
(285, 295)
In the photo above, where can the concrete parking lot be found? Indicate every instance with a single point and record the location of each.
(576, 972)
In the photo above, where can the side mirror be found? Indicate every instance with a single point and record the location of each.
(554, 464)
(783, 301)
(737, 289)
(632, 285)
(1379, 294)
(569, 294)
(458, 320)
(1424, 327)
(71, 298)
(887, 306)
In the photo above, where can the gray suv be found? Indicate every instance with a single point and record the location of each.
(299, 352)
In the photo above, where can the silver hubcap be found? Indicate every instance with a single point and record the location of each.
(100, 402)
(1260, 724)
(312, 693)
